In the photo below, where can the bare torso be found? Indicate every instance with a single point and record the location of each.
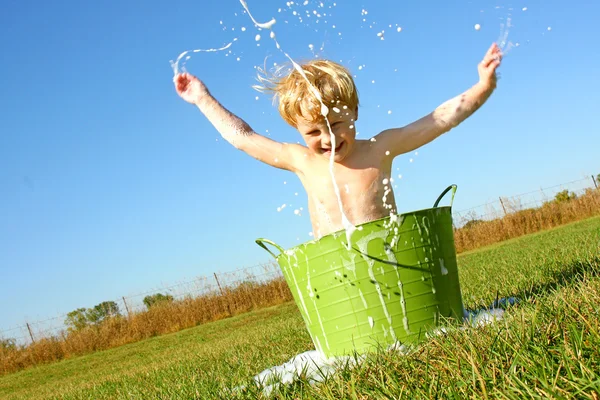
(360, 179)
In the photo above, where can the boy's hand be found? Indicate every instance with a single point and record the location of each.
(487, 67)
(190, 88)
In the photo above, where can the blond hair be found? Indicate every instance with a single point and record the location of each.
(296, 93)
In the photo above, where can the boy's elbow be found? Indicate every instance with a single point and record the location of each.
(238, 136)
(244, 139)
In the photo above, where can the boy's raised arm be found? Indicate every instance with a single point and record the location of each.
(448, 115)
(232, 128)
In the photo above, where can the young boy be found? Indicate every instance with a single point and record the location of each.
(362, 168)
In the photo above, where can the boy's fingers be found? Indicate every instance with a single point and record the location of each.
(487, 60)
(493, 57)
(490, 54)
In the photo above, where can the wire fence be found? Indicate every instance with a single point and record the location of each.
(217, 283)
(519, 202)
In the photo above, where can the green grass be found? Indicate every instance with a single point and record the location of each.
(547, 347)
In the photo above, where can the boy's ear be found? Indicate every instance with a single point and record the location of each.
(356, 113)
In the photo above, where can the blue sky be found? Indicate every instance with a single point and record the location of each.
(111, 184)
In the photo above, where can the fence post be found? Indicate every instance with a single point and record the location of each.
(218, 284)
(502, 203)
(126, 308)
(595, 183)
(30, 333)
(222, 294)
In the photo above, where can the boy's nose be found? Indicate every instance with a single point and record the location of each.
(326, 137)
(326, 140)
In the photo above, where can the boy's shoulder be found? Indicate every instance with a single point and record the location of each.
(370, 151)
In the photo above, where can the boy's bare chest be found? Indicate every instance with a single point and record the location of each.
(349, 181)
(362, 192)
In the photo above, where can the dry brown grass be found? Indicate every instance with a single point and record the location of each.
(522, 222)
(188, 312)
(162, 318)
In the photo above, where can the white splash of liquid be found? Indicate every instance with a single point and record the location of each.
(392, 258)
(363, 247)
(175, 64)
(265, 25)
(443, 269)
(502, 41)
(362, 297)
(351, 266)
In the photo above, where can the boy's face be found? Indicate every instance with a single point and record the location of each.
(318, 138)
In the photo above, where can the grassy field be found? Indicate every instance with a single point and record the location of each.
(246, 290)
(547, 347)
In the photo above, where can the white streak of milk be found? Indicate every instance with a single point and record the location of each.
(403, 305)
(348, 226)
(371, 322)
(175, 65)
(504, 31)
(426, 225)
(265, 25)
(350, 264)
(443, 269)
(362, 297)
(363, 247)
(392, 259)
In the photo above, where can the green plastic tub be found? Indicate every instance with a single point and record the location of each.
(392, 286)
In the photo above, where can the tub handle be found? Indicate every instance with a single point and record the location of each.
(261, 242)
(451, 187)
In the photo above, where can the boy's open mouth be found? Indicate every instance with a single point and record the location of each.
(337, 149)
